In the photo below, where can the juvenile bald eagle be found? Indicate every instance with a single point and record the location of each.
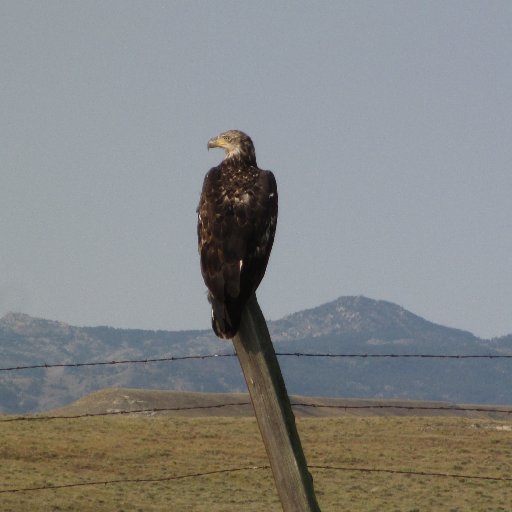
(237, 217)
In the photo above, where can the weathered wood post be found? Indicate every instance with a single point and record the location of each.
(273, 412)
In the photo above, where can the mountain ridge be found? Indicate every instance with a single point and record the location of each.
(354, 324)
(359, 314)
(343, 305)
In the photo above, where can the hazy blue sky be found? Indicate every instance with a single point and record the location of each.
(388, 126)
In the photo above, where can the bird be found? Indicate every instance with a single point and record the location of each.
(236, 225)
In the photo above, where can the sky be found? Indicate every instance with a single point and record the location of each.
(387, 125)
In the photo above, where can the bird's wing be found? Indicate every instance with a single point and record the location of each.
(262, 219)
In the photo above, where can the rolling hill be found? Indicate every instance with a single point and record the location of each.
(149, 402)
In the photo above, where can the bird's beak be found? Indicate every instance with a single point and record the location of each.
(212, 143)
(217, 142)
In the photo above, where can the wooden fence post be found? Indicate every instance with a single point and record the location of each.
(273, 412)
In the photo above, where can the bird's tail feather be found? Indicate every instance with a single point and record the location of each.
(225, 319)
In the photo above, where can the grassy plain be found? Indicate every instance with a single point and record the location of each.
(59, 452)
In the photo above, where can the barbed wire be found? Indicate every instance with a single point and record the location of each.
(415, 473)
(132, 480)
(252, 468)
(407, 407)
(455, 408)
(421, 356)
(114, 362)
(279, 354)
(118, 413)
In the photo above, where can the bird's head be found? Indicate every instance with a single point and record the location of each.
(236, 145)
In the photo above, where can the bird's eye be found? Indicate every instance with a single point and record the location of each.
(227, 138)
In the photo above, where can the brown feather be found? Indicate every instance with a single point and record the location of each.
(237, 217)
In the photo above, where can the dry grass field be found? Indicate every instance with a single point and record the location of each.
(60, 452)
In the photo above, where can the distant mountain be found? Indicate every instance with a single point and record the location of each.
(362, 319)
(347, 325)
